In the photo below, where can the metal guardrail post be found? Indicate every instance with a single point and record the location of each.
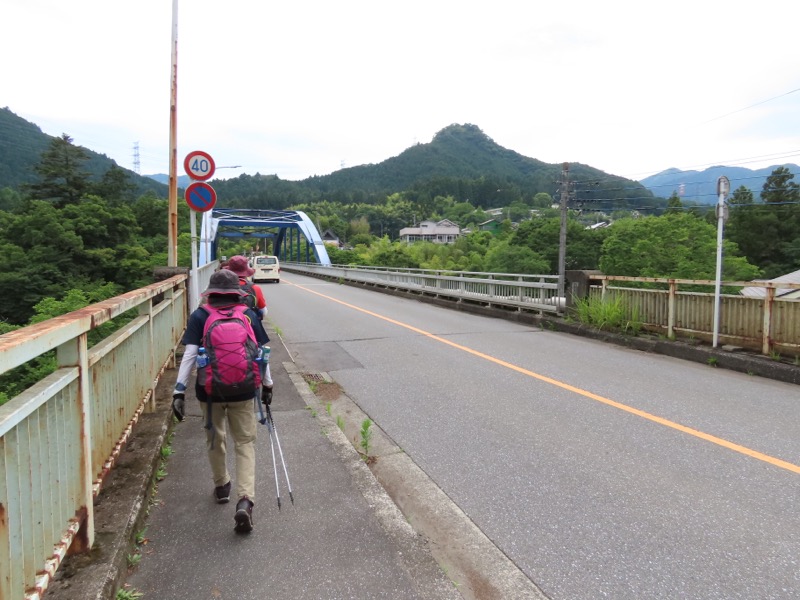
(75, 353)
(766, 337)
(147, 310)
(673, 290)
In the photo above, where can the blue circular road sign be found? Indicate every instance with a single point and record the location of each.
(200, 196)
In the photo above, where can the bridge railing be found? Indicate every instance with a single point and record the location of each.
(768, 324)
(60, 437)
(525, 292)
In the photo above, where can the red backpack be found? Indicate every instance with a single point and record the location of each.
(232, 350)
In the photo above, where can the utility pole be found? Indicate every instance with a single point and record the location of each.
(172, 232)
(562, 237)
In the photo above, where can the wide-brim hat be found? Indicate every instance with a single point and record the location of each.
(224, 282)
(238, 264)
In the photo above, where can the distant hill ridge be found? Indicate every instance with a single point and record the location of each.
(459, 152)
(21, 147)
(701, 186)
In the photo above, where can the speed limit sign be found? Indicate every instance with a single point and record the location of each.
(199, 165)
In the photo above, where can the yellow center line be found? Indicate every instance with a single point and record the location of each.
(565, 386)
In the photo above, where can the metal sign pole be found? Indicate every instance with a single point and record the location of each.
(723, 186)
(195, 291)
(172, 192)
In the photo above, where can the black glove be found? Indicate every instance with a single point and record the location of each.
(266, 395)
(178, 406)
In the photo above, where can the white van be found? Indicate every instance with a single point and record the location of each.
(267, 269)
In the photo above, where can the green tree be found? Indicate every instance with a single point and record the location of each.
(741, 195)
(10, 199)
(506, 258)
(542, 200)
(779, 187)
(542, 235)
(674, 204)
(674, 245)
(63, 180)
(115, 185)
(767, 232)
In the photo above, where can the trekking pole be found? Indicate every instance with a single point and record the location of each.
(280, 451)
(274, 464)
(263, 420)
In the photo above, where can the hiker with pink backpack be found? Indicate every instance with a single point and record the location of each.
(224, 339)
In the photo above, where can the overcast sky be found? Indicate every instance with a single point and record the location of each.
(303, 87)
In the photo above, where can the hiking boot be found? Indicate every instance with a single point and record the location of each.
(244, 515)
(223, 493)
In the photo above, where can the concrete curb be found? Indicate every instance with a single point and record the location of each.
(476, 566)
(431, 582)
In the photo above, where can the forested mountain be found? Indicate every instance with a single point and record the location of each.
(21, 147)
(700, 187)
(461, 161)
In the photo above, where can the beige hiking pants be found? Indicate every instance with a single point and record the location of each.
(241, 420)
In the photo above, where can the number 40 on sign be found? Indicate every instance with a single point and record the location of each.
(199, 165)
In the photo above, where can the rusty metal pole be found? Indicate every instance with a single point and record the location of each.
(562, 239)
(172, 234)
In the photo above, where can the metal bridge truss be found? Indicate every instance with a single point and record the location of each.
(293, 234)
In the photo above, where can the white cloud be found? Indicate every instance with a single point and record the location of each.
(298, 88)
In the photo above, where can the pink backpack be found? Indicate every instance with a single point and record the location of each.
(232, 350)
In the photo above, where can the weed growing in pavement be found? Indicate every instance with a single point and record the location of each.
(328, 408)
(712, 361)
(340, 422)
(366, 435)
(128, 594)
(166, 451)
(775, 355)
(140, 537)
(608, 314)
(134, 559)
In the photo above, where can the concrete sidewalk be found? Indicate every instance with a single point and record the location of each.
(342, 538)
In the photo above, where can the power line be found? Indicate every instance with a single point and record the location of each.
(749, 107)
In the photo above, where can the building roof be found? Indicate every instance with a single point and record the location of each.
(758, 292)
(443, 227)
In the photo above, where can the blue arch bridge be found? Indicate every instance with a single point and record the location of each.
(292, 234)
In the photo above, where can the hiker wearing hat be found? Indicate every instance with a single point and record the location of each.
(254, 299)
(230, 335)
(239, 265)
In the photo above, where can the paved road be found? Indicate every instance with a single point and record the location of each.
(601, 472)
